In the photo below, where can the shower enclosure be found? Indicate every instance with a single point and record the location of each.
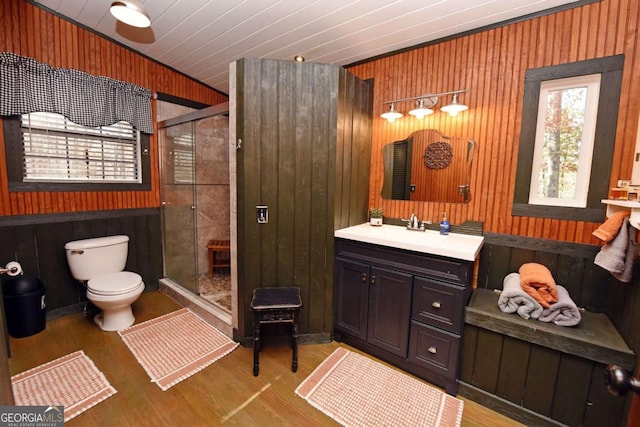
(194, 189)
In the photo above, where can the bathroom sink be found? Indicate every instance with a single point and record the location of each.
(453, 245)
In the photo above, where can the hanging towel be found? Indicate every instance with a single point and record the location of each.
(565, 312)
(613, 254)
(514, 300)
(617, 256)
(537, 281)
(625, 275)
(608, 231)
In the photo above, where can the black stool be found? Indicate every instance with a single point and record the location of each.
(275, 305)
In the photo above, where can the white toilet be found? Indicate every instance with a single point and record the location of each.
(99, 262)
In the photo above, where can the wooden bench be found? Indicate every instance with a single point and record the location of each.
(216, 247)
(594, 338)
(535, 372)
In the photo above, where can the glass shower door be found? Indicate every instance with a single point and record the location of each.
(177, 177)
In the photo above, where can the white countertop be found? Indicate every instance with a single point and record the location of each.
(452, 245)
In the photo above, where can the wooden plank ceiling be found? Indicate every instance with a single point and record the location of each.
(201, 37)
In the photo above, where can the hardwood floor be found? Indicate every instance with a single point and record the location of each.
(225, 393)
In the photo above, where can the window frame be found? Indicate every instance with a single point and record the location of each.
(14, 161)
(592, 84)
(610, 69)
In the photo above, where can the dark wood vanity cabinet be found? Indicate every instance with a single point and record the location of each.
(404, 307)
(373, 305)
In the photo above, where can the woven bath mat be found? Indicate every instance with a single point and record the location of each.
(175, 346)
(355, 390)
(72, 381)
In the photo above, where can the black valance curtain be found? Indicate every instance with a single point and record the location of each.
(28, 86)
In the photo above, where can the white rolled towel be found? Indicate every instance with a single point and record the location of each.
(514, 300)
(564, 312)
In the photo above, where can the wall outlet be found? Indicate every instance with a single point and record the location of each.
(262, 214)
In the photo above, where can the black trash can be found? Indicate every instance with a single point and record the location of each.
(24, 305)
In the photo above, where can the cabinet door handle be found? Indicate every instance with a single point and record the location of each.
(373, 280)
(364, 278)
(435, 304)
(432, 350)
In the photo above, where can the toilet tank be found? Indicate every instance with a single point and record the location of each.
(90, 258)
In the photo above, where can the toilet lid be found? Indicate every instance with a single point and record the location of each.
(115, 284)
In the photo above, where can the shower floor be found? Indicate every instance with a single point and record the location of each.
(216, 289)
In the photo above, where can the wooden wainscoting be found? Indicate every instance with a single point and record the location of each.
(540, 373)
(38, 245)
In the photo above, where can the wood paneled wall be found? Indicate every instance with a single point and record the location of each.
(305, 131)
(37, 242)
(28, 30)
(491, 64)
(570, 264)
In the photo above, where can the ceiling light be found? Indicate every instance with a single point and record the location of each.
(455, 107)
(130, 12)
(422, 110)
(298, 58)
(391, 115)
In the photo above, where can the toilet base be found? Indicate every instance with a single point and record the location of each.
(116, 312)
(115, 320)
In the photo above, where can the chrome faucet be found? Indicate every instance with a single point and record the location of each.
(414, 224)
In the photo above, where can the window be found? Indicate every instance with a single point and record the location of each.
(85, 151)
(564, 141)
(48, 152)
(569, 121)
(183, 161)
(56, 149)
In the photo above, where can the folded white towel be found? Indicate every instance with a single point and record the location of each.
(564, 312)
(514, 300)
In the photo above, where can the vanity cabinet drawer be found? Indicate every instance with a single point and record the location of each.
(434, 349)
(438, 304)
(441, 268)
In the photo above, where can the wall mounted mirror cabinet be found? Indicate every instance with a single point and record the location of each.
(428, 166)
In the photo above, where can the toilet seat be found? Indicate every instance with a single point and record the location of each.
(115, 284)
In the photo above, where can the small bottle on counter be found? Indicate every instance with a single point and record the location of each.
(444, 224)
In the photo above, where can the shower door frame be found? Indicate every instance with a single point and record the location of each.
(191, 117)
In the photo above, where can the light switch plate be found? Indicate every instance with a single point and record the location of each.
(262, 214)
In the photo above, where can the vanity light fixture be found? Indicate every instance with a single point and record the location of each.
(425, 103)
(391, 115)
(130, 12)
